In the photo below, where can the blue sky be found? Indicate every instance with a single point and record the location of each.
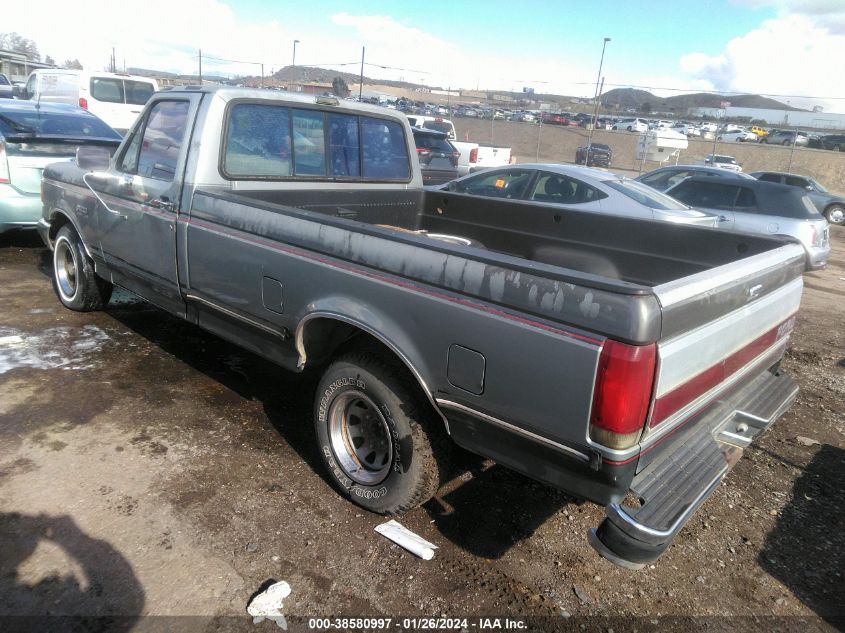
(778, 47)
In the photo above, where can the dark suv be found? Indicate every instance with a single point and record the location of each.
(438, 157)
(831, 205)
(594, 155)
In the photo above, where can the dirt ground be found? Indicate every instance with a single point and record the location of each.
(150, 469)
(557, 144)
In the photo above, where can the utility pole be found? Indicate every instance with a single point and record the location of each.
(596, 96)
(262, 75)
(293, 61)
(200, 58)
(113, 63)
(361, 84)
(593, 126)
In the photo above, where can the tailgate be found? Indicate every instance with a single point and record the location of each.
(493, 156)
(720, 329)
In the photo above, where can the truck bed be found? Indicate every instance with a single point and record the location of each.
(614, 248)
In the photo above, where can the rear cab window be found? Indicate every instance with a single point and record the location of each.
(278, 142)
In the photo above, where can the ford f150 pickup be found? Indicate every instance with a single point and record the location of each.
(627, 362)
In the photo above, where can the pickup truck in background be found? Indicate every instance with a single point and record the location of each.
(474, 156)
(601, 355)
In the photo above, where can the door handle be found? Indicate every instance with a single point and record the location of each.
(162, 203)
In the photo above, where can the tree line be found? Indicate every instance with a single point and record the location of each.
(25, 46)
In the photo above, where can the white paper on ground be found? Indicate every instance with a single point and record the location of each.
(268, 604)
(405, 538)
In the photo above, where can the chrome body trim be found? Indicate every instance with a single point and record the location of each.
(583, 457)
(281, 333)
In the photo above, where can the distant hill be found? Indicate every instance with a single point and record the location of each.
(632, 98)
(305, 74)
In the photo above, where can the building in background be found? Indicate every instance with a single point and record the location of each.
(16, 66)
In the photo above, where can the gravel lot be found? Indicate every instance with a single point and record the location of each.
(149, 468)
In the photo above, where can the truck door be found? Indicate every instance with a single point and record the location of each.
(140, 199)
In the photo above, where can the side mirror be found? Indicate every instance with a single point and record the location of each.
(92, 158)
(451, 186)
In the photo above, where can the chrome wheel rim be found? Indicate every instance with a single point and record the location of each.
(66, 269)
(360, 438)
(836, 215)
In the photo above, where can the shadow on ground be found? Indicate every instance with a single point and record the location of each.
(107, 595)
(805, 549)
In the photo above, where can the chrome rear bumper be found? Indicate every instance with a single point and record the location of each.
(673, 487)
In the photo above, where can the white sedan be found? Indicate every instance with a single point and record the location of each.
(737, 136)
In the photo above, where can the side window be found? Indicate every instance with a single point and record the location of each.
(711, 195)
(107, 89)
(309, 144)
(564, 190)
(746, 201)
(129, 161)
(770, 178)
(258, 141)
(162, 140)
(30, 86)
(385, 151)
(137, 92)
(501, 184)
(663, 180)
(796, 182)
(343, 145)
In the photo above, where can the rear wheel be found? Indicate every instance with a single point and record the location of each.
(74, 280)
(377, 435)
(835, 214)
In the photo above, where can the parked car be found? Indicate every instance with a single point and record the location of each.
(6, 88)
(708, 127)
(473, 156)
(594, 155)
(631, 125)
(31, 137)
(834, 142)
(552, 118)
(766, 208)
(592, 352)
(438, 157)
(785, 137)
(687, 128)
(116, 98)
(737, 136)
(722, 162)
(760, 132)
(831, 205)
(579, 188)
(664, 177)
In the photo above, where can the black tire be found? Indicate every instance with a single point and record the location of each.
(630, 129)
(76, 284)
(405, 465)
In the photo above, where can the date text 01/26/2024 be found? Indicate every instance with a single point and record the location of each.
(417, 624)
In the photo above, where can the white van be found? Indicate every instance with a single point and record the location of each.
(116, 98)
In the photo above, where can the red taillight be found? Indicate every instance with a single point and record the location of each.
(83, 103)
(4, 165)
(473, 155)
(455, 156)
(422, 151)
(622, 396)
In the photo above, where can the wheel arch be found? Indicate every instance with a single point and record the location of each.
(58, 219)
(321, 333)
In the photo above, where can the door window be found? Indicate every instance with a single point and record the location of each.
(769, 177)
(562, 189)
(154, 149)
(501, 184)
(746, 201)
(710, 195)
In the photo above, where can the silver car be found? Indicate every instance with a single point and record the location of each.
(755, 206)
(582, 189)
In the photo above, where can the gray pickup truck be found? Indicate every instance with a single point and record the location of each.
(625, 361)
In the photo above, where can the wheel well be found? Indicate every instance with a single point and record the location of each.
(321, 339)
(56, 222)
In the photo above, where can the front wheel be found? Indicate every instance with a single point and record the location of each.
(74, 280)
(377, 435)
(835, 214)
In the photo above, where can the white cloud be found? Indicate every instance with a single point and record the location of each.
(788, 55)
